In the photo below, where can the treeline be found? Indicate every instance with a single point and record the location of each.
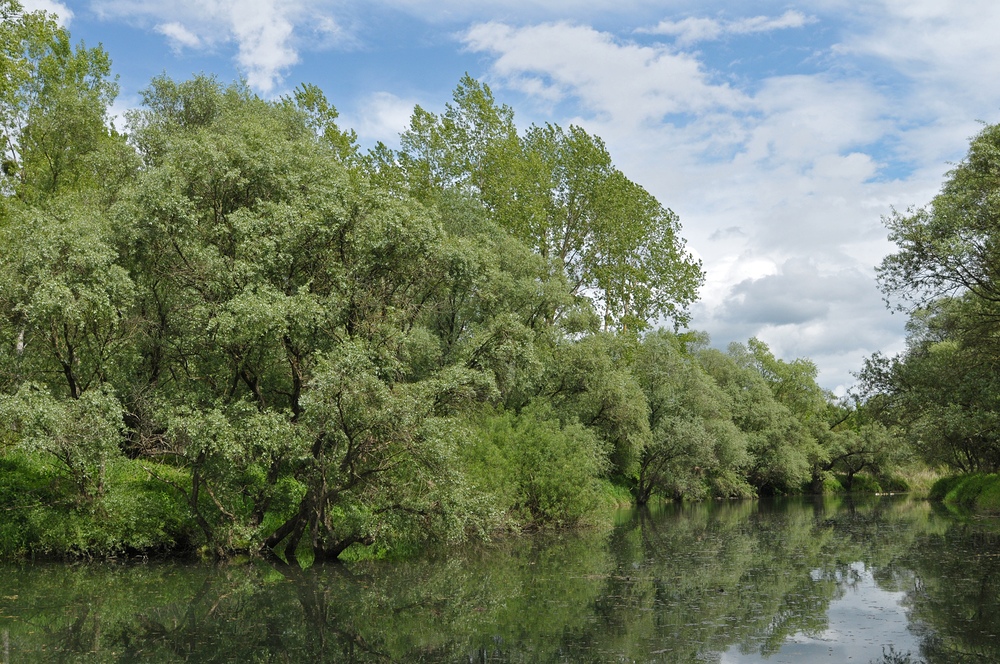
(229, 329)
(943, 391)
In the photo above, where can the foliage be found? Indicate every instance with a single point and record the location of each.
(80, 436)
(695, 446)
(942, 389)
(977, 491)
(542, 472)
(558, 192)
(314, 353)
(53, 105)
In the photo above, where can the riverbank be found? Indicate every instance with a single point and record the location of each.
(978, 491)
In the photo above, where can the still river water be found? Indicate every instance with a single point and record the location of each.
(835, 580)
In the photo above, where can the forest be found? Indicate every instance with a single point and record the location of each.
(227, 329)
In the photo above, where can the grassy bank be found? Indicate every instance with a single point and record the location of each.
(979, 492)
(41, 516)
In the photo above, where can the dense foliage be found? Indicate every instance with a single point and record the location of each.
(231, 330)
(943, 391)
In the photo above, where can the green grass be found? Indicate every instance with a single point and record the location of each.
(41, 516)
(978, 491)
(613, 495)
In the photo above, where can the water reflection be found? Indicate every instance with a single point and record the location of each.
(744, 582)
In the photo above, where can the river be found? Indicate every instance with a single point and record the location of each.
(874, 579)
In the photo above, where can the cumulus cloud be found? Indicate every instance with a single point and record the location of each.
(179, 36)
(64, 13)
(263, 29)
(382, 116)
(691, 30)
(625, 81)
(266, 33)
(943, 53)
(833, 316)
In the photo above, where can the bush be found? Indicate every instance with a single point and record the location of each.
(831, 484)
(977, 491)
(24, 486)
(860, 483)
(41, 514)
(894, 483)
(944, 486)
(542, 472)
(614, 495)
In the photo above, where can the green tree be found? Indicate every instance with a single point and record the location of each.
(941, 389)
(695, 447)
(53, 104)
(778, 443)
(949, 247)
(558, 192)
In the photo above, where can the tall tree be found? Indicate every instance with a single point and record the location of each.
(946, 272)
(54, 99)
(558, 192)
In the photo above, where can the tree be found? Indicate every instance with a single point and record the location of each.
(589, 381)
(942, 389)
(950, 247)
(778, 442)
(558, 192)
(67, 319)
(694, 445)
(53, 104)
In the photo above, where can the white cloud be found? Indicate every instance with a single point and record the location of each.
(626, 81)
(179, 36)
(694, 29)
(382, 116)
(265, 32)
(64, 13)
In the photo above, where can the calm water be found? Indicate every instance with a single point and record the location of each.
(789, 581)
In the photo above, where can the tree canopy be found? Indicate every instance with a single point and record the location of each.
(942, 390)
(233, 327)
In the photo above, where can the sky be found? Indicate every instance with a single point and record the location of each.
(781, 133)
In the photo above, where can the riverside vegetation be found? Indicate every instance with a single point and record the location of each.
(231, 331)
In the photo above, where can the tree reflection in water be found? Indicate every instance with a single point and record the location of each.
(709, 582)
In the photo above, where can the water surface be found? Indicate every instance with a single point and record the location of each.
(834, 580)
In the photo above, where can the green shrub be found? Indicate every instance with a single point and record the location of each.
(41, 513)
(977, 491)
(989, 498)
(944, 486)
(725, 483)
(832, 485)
(860, 483)
(614, 495)
(537, 470)
(894, 483)
(24, 485)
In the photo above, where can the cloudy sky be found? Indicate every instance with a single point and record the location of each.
(780, 132)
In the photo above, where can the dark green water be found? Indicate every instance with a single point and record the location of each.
(789, 581)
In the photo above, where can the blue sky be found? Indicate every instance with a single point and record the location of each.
(780, 132)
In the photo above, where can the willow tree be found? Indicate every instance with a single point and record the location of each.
(557, 191)
(946, 274)
(53, 103)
